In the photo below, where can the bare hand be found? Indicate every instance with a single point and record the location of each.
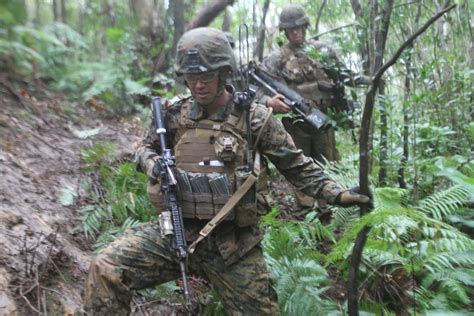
(277, 104)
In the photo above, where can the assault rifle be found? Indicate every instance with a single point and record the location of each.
(171, 220)
(293, 99)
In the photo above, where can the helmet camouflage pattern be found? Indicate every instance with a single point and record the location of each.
(293, 16)
(203, 49)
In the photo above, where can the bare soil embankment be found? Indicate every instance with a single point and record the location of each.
(44, 256)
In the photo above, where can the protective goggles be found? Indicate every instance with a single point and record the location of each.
(204, 77)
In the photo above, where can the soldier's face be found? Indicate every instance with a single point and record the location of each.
(296, 35)
(204, 86)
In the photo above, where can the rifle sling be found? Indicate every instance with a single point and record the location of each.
(237, 196)
(227, 208)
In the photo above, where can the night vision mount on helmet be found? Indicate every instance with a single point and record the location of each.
(203, 49)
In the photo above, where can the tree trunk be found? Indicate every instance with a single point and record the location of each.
(406, 122)
(352, 286)
(380, 41)
(178, 20)
(37, 20)
(406, 117)
(383, 156)
(55, 10)
(110, 8)
(364, 43)
(152, 17)
(208, 13)
(261, 32)
(226, 21)
(318, 18)
(470, 54)
(365, 156)
(151, 26)
(63, 11)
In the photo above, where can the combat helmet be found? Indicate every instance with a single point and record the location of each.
(293, 16)
(203, 49)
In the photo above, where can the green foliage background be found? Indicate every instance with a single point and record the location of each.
(420, 248)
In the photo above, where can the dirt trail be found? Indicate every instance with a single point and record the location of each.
(44, 256)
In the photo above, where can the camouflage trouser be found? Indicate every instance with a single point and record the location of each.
(315, 144)
(141, 258)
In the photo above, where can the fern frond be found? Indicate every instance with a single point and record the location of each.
(454, 283)
(283, 242)
(92, 218)
(390, 198)
(343, 217)
(300, 284)
(66, 34)
(444, 203)
(312, 230)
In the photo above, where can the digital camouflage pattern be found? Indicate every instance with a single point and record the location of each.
(231, 258)
(203, 49)
(293, 16)
(293, 65)
(276, 144)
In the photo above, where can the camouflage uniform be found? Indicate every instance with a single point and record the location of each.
(231, 257)
(305, 74)
(314, 143)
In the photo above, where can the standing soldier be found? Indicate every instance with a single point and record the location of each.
(208, 135)
(313, 70)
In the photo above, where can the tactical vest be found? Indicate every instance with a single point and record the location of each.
(209, 159)
(306, 76)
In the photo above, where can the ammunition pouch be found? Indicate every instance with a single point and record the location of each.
(201, 196)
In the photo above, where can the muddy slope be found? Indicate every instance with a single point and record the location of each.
(44, 256)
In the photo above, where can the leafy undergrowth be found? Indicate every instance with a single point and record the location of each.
(414, 254)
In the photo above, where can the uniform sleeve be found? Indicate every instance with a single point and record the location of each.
(149, 149)
(278, 146)
(147, 152)
(271, 64)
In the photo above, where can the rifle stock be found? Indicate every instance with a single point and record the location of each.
(293, 99)
(167, 167)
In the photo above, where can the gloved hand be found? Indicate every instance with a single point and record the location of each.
(157, 169)
(351, 197)
(151, 167)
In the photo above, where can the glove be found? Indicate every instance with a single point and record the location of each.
(151, 165)
(351, 197)
(157, 169)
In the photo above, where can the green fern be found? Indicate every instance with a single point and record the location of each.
(300, 284)
(92, 219)
(444, 203)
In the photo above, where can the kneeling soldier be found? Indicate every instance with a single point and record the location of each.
(208, 135)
